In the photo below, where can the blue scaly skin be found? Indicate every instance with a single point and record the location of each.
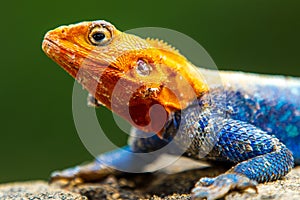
(254, 127)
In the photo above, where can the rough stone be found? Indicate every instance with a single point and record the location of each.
(158, 186)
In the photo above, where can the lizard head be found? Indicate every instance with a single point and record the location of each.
(126, 73)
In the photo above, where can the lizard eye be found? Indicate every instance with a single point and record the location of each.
(99, 35)
(143, 68)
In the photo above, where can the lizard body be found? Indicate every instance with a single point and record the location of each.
(251, 121)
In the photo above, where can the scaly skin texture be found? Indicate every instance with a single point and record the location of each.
(251, 121)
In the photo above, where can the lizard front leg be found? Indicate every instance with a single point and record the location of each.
(259, 157)
(126, 159)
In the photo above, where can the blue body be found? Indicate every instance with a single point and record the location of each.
(275, 110)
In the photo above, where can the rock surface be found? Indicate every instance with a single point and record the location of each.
(155, 187)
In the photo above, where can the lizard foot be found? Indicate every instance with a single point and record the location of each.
(214, 188)
(80, 174)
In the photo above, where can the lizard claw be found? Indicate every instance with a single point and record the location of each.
(77, 175)
(66, 178)
(214, 188)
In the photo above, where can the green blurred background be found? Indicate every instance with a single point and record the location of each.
(37, 129)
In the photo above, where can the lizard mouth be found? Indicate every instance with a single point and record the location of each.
(49, 46)
(67, 60)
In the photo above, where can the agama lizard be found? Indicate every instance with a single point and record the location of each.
(251, 121)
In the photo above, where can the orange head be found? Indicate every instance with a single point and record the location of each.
(142, 80)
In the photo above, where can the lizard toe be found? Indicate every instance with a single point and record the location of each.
(66, 177)
(214, 188)
(80, 174)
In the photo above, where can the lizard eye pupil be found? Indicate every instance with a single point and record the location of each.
(98, 36)
(143, 68)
